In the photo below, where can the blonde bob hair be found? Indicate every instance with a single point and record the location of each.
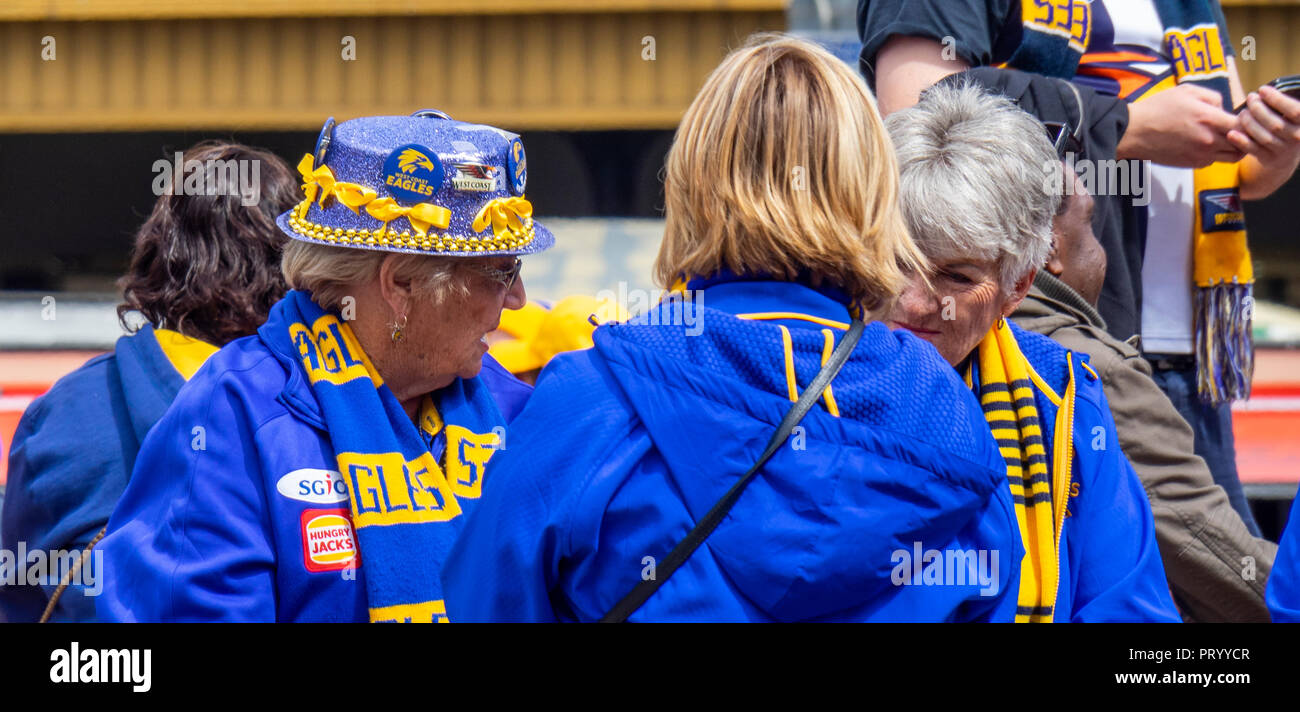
(782, 166)
(330, 272)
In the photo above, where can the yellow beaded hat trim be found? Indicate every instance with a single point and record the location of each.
(510, 219)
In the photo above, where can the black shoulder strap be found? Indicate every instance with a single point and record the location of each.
(705, 527)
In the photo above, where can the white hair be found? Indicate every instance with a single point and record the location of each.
(972, 179)
(331, 272)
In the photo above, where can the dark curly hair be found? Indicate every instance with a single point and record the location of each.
(208, 266)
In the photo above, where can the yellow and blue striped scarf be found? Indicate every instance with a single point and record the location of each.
(1038, 480)
(406, 502)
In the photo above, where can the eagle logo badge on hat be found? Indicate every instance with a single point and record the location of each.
(413, 173)
(517, 166)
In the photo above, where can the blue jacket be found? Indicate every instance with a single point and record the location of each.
(624, 446)
(222, 536)
(1110, 566)
(1283, 592)
(71, 457)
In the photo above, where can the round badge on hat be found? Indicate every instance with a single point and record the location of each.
(323, 141)
(413, 173)
(517, 167)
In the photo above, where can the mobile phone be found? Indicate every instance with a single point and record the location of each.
(1289, 85)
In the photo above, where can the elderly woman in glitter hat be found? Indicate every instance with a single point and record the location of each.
(321, 469)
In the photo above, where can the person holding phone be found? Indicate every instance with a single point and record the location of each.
(1174, 232)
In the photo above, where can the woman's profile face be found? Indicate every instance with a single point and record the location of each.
(446, 341)
(963, 302)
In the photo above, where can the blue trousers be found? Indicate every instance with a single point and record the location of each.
(1213, 429)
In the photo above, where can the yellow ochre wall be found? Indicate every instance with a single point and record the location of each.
(243, 65)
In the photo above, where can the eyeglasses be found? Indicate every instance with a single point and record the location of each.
(506, 277)
(1062, 137)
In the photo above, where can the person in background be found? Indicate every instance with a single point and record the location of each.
(205, 270)
(783, 225)
(1283, 594)
(320, 469)
(974, 192)
(1216, 568)
(529, 338)
(1175, 237)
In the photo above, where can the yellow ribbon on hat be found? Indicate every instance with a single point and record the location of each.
(313, 178)
(356, 196)
(353, 195)
(421, 215)
(503, 214)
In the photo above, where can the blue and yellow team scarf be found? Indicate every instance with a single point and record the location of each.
(406, 501)
(1056, 34)
(1039, 480)
(1221, 267)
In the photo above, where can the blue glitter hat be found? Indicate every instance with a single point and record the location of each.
(423, 184)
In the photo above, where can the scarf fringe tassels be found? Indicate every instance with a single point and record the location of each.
(1225, 347)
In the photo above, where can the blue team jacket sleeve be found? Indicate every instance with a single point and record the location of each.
(1283, 592)
(506, 564)
(65, 472)
(504, 560)
(190, 539)
(1115, 564)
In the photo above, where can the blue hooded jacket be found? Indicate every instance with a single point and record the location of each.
(622, 448)
(1109, 564)
(222, 536)
(71, 457)
(1283, 592)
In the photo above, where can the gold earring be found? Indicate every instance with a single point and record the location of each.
(398, 329)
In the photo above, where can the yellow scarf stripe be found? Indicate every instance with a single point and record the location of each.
(427, 612)
(1007, 395)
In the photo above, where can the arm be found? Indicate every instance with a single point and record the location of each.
(1268, 132)
(908, 45)
(1205, 546)
(190, 539)
(1284, 583)
(66, 471)
(1181, 126)
(500, 567)
(906, 66)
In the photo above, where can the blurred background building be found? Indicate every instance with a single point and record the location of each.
(92, 92)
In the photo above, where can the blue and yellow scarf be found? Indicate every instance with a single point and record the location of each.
(1056, 34)
(1039, 479)
(407, 485)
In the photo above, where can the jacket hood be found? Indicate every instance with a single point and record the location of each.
(147, 379)
(908, 461)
